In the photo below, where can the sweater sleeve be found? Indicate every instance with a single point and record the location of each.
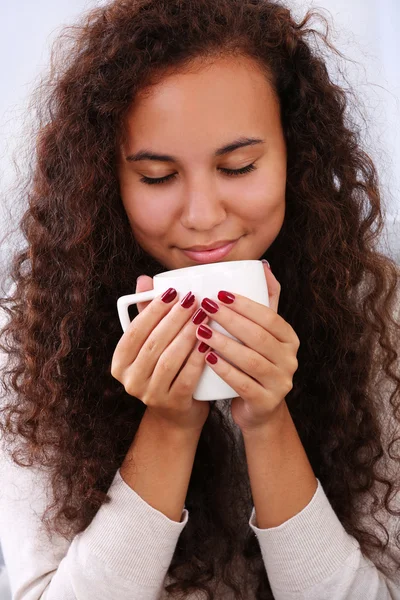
(312, 557)
(124, 553)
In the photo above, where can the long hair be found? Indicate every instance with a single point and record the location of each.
(64, 411)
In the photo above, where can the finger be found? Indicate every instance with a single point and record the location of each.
(257, 364)
(249, 333)
(137, 333)
(162, 336)
(181, 364)
(247, 310)
(187, 379)
(246, 387)
(144, 283)
(274, 287)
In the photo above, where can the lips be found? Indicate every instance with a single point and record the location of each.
(210, 247)
(208, 256)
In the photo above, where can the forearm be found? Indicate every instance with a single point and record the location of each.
(282, 480)
(158, 465)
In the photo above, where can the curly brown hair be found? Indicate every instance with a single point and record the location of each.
(62, 407)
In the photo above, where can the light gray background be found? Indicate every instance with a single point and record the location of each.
(364, 30)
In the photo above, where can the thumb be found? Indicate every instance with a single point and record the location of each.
(144, 283)
(274, 287)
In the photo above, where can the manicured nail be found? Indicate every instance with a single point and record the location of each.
(226, 297)
(169, 295)
(209, 305)
(203, 347)
(212, 358)
(199, 316)
(267, 263)
(188, 300)
(204, 332)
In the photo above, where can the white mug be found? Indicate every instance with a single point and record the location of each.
(244, 277)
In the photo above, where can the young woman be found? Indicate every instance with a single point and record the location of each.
(167, 125)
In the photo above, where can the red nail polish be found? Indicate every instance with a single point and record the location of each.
(187, 300)
(204, 332)
(212, 358)
(226, 297)
(203, 347)
(199, 316)
(169, 295)
(209, 305)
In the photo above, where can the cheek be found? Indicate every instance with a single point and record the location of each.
(146, 216)
(263, 200)
(146, 212)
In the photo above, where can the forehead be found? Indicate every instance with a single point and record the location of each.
(204, 104)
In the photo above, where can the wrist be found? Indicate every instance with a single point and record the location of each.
(167, 429)
(158, 464)
(273, 427)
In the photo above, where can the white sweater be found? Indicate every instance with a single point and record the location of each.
(126, 550)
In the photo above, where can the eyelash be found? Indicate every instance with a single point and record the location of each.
(229, 172)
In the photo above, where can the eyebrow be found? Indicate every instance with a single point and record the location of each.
(238, 143)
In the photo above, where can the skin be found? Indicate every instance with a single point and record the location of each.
(188, 115)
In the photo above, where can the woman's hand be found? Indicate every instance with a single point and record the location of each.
(148, 360)
(261, 368)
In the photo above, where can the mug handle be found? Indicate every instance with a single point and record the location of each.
(125, 301)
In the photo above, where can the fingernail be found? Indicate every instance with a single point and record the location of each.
(203, 347)
(187, 300)
(209, 305)
(226, 297)
(169, 295)
(204, 332)
(211, 358)
(267, 263)
(199, 316)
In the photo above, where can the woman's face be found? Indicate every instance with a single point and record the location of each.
(185, 121)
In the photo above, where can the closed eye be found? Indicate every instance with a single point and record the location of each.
(229, 172)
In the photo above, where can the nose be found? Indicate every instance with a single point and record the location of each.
(203, 207)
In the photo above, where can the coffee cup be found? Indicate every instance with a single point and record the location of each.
(244, 277)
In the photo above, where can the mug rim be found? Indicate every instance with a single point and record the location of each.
(209, 266)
